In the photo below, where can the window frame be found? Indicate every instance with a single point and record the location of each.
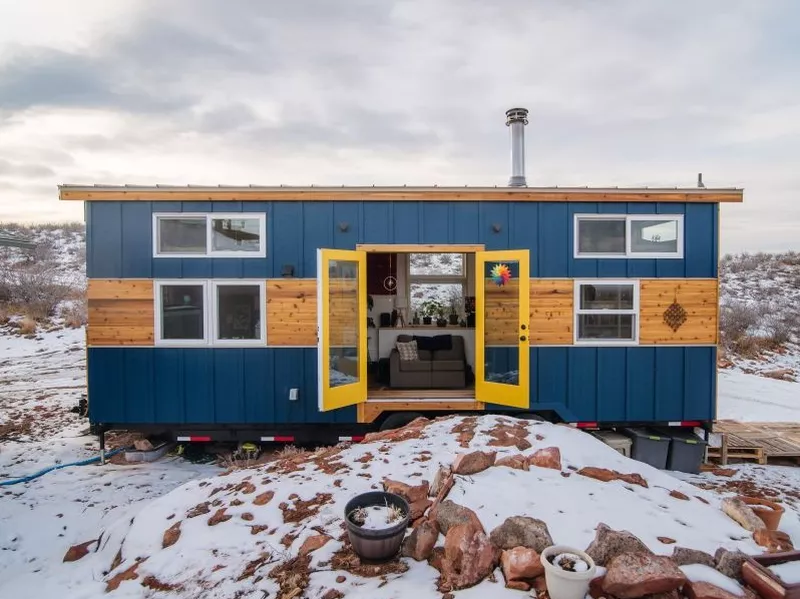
(210, 314)
(462, 279)
(158, 339)
(629, 254)
(578, 311)
(209, 218)
(214, 316)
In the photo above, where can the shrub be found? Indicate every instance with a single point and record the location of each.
(736, 321)
(27, 326)
(74, 314)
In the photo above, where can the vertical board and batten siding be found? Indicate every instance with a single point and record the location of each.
(119, 243)
(147, 385)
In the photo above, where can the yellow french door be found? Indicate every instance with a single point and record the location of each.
(342, 328)
(502, 346)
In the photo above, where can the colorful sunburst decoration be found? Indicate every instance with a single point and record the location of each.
(501, 274)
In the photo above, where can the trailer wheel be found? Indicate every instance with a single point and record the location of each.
(398, 420)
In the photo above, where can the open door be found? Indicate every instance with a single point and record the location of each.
(342, 328)
(502, 346)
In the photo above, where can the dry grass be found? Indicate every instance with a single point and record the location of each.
(75, 314)
(27, 326)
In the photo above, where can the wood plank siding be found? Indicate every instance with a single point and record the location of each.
(393, 194)
(121, 312)
(699, 299)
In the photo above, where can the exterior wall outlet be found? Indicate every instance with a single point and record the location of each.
(293, 394)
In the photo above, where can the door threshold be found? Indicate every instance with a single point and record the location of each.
(421, 395)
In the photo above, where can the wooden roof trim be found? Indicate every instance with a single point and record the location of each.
(411, 194)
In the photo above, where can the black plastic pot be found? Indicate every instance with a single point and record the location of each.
(382, 544)
(427, 319)
(453, 319)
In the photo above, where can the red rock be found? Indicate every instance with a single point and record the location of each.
(521, 563)
(706, 590)
(522, 531)
(449, 514)
(247, 517)
(666, 540)
(420, 543)
(540, 584)
(469, 556)
(171, 535)
(340, 579)
(410, 493)
(632, 575)
(549, 457)
(219, 517)
(723, 472)
(774, 541)
(596, 588)
(678, 495)
(608, 544)
(605, 475)
(473, 462)
(333, 594)
(418, 508)
(264, 498)
(518, 585)
(128, 574)
(312, 544)
(77, 552)
(517, 462)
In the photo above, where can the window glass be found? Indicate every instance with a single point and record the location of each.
(433, 299)
(606, 297)
(657, 236)
(182, 312)
(235, 234)
(436, 265)
(613, 327)
(238, 312)
(601, 236)
(178, 235)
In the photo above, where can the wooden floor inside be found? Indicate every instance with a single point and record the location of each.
(421, 394)
(757, 441)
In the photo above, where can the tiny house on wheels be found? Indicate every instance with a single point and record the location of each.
(314, 314)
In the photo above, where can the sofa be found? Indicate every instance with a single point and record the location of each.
(441, 364)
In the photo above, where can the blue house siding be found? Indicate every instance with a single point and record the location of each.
(120, 241)
(205, 386)
(240, 386)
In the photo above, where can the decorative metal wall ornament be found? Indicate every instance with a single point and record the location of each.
(675, 315)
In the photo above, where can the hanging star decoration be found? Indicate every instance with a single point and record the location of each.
(501, 274)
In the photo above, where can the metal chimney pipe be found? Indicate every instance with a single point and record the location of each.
(517, 118)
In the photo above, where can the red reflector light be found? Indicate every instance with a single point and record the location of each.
(586, 425)
(284, 439)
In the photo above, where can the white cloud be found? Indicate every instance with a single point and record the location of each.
(410, 91)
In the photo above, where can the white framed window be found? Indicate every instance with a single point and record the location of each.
(238, 312)
(181, 314)
(216, 313)
(436, 279)
(210, 235)
(628, 236)
(606, 312)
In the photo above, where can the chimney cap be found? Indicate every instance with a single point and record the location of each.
(514, 115)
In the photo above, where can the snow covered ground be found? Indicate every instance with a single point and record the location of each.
(750, 398)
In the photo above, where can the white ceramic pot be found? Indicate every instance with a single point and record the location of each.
(567, 585)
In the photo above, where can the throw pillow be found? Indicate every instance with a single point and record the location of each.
(408, 351)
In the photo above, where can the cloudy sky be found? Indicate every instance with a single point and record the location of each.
(621, 92)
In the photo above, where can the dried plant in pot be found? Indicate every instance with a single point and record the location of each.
(376, 524)
(769, 511)
(568, 572)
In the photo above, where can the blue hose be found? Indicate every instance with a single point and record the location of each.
(30, 477)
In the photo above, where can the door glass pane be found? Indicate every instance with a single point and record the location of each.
(601, 236)
(182, 312)
(343, 322)
(235, 234)
(238, 312)
(502, 317)
(182, 235)
(654, 236)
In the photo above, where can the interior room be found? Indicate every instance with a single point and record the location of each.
(421, 323)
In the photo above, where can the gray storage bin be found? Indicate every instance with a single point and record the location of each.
(687, 451)
(649, 446)
(615, 440)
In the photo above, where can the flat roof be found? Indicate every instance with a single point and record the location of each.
(239, 193)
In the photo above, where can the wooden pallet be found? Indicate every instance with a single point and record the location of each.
(758, 441)
(738, 451)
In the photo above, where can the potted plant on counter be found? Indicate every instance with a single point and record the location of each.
(376, 524)
(568, 572)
